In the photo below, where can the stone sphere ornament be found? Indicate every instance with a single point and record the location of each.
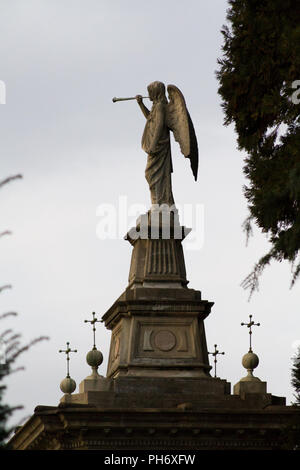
(250, 361)
(94, 358)
(68, 385)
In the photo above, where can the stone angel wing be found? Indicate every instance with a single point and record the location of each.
(180, 123)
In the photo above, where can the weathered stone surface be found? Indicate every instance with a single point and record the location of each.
(215, 427)
(152, 391)
(243, 388)
(157, 258)
(158, 332)
(94, 383)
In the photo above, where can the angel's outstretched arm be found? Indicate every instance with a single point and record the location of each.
(144, 109)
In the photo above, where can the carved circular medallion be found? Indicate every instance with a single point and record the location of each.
(165, 340)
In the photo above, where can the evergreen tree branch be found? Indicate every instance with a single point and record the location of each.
(9, 179)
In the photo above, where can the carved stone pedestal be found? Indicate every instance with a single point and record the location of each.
(158, 332)
(157, 258)
(157, 324)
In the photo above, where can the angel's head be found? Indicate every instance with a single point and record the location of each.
(157, 92)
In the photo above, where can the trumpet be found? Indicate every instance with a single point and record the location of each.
(126, 99)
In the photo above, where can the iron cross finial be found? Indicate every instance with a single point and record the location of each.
(68, 351)
(215, 354)
(249, 325)
(92, 322)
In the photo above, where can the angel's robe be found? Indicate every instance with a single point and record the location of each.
(159, 164)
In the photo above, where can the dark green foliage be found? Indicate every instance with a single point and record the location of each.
(260, 63)
(296, 377)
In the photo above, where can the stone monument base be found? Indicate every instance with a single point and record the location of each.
(133, 413)
(150, 392)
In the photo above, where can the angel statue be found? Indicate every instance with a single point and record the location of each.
(163, 117)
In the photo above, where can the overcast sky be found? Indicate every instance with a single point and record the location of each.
(62, 62)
